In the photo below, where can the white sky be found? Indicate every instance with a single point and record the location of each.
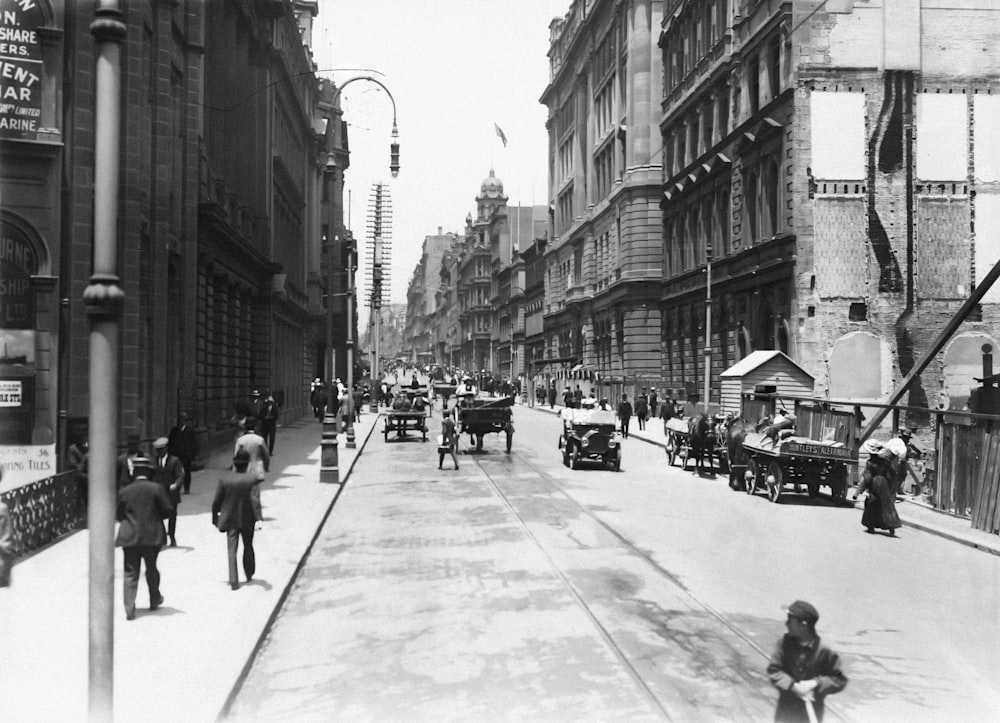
(454, 67)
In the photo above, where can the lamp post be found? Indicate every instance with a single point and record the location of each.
(329, 463)
(103, 299)
(708, 324)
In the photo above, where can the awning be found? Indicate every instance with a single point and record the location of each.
(577, 368)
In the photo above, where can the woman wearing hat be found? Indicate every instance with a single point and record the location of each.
(880, 504)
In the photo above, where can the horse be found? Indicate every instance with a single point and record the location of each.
(701, 440)
(736, 432)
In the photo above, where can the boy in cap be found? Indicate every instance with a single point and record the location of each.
(142, 507)
(802, 669)
(168, 472)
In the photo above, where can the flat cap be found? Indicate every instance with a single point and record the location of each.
(803, 611)
(160, 442)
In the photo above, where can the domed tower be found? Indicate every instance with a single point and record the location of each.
(490, 196)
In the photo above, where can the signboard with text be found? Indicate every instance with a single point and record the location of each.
(21, 68)
(25, 464)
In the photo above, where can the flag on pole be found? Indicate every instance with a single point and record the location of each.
(503, 138)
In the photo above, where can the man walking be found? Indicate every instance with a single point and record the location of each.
(317, 398)
(802, 669)
(235, 511)
(126, 461)
(168, 472)
(449, 438)
(260, 461)
(624, 414)
(183, 444)
(268, 422)
(142, 507)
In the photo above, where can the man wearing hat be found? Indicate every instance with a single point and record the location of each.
(168, 472)
(802, 669)
(235, 511)
(142, 507)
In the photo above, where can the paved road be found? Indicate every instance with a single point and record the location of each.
(516, 589)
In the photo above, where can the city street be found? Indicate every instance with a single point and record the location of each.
(518, 589)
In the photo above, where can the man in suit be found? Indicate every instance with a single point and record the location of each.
(267, 422)
(236, 511)
(183, 444)
(142, 507)
(126, 460)
(168, 472)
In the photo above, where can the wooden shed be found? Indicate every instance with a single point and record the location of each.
(773, 368)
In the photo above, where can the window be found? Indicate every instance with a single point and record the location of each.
(774, 67)
(750, 195)
(722, 99)
(753, 84)
(724, 241)
(771, 195)
(708, 126)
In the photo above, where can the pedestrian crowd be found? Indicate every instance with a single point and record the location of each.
(150, 489)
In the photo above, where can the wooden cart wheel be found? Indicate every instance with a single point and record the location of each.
(754, 469)
(774, 489)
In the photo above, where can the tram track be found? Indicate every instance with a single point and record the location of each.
(632, 549)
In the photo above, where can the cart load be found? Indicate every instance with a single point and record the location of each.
(478, 417)
(774, 460)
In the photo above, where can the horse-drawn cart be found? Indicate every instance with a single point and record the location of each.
(479, 417)
(773, 462)
(696, 438)
(401, 422)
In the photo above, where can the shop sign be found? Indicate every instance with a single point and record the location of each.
(21, 68)
(25, 464)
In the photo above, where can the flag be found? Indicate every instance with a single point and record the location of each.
(503, 138)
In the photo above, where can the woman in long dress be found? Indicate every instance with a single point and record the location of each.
(880, 504)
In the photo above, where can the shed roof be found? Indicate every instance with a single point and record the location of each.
(756, 359)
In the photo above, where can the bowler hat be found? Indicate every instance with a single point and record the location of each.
(905, 432)
(803, 611)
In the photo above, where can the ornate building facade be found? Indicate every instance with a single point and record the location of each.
(221, 165)
(604, 258)
(829, 163)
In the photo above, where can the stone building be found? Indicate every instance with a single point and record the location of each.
(604, 258)
(829, 162)
(217, 222)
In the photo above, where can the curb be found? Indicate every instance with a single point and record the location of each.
(259, 644)
(917, 525)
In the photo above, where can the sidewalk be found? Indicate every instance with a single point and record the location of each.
(912, 512)
(180, 662)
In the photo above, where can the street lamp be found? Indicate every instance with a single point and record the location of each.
(329, 463)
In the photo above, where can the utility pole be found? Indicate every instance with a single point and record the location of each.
(103, 299)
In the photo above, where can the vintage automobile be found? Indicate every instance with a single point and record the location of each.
(590, 434)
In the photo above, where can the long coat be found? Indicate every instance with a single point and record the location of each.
(142, 507)
(183, 444)
(235, 506)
